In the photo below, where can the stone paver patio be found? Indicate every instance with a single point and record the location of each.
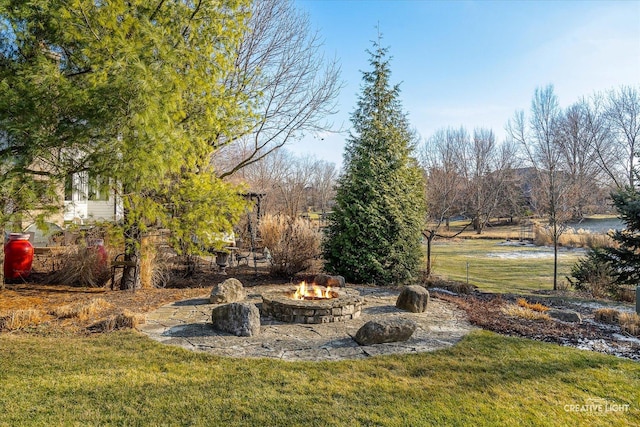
(188, 324)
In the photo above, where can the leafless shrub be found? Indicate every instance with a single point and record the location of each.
(292, 242)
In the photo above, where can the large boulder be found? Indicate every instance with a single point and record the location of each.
(385, 330)
(231, 290)
(413, 298)
(565, 315)
(238, 318)
(327, 280)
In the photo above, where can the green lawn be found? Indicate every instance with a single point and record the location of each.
(494, 267)
(126, 379)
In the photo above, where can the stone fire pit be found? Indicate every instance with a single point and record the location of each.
(341, 306)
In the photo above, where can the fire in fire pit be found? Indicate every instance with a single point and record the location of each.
(315, 292)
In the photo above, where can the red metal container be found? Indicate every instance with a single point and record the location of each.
(18, 256)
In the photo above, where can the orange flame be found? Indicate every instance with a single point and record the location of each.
(303, 291)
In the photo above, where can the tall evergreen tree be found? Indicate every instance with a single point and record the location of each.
(625, 257)
(609, 268)
(374, 234)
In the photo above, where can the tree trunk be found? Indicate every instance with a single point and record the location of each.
(555, 256)
(2, 285)
(429, 240)
(132, 241)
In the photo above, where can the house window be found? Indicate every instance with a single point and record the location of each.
(68, 188)
(98, 188)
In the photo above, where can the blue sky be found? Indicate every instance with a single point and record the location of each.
(474, 63)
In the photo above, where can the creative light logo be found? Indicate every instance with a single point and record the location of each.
(597, 406)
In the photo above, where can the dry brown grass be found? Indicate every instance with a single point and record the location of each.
(123, 320)
(155, 265)
(83, 310)
(535, 306)
(626, 294)
(630, 323)
(514, 310)
(82, 267)
(21, 319)
(577, 239)
(607, 315)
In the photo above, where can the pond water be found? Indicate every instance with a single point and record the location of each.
(597, 225)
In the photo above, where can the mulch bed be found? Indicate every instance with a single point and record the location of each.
(45, 299)
(485, 311)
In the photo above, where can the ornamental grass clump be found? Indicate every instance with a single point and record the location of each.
(125, 319)
(293, 243)
(515, 310)
(532, 306)
(83, 267)
(630, 323)
(607, 315)
(83, 310)
(20, 319)
(155, 265)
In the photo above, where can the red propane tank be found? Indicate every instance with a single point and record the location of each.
(18, 256)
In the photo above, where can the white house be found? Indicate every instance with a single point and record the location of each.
(87, 198)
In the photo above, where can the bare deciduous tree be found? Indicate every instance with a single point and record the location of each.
(323, 184)
(578, 154)
(540, 141)
(607, 154)
(292, 184)
(281, 69)
(444, 183)
(623, 115)
(487, 168)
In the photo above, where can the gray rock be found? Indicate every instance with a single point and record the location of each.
(565, 315)
(238, 318)
(327, 280)
(385, 330)
(231, 290)
(413, 298)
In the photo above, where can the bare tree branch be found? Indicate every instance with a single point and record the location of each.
(280, 67)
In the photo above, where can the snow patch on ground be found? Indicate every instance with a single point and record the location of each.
(593, 305)
(444, 291)
(620, 347)
(620, 337)
(538, 253)
(520, 255)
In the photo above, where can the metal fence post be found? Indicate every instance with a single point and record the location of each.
(638, 299)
